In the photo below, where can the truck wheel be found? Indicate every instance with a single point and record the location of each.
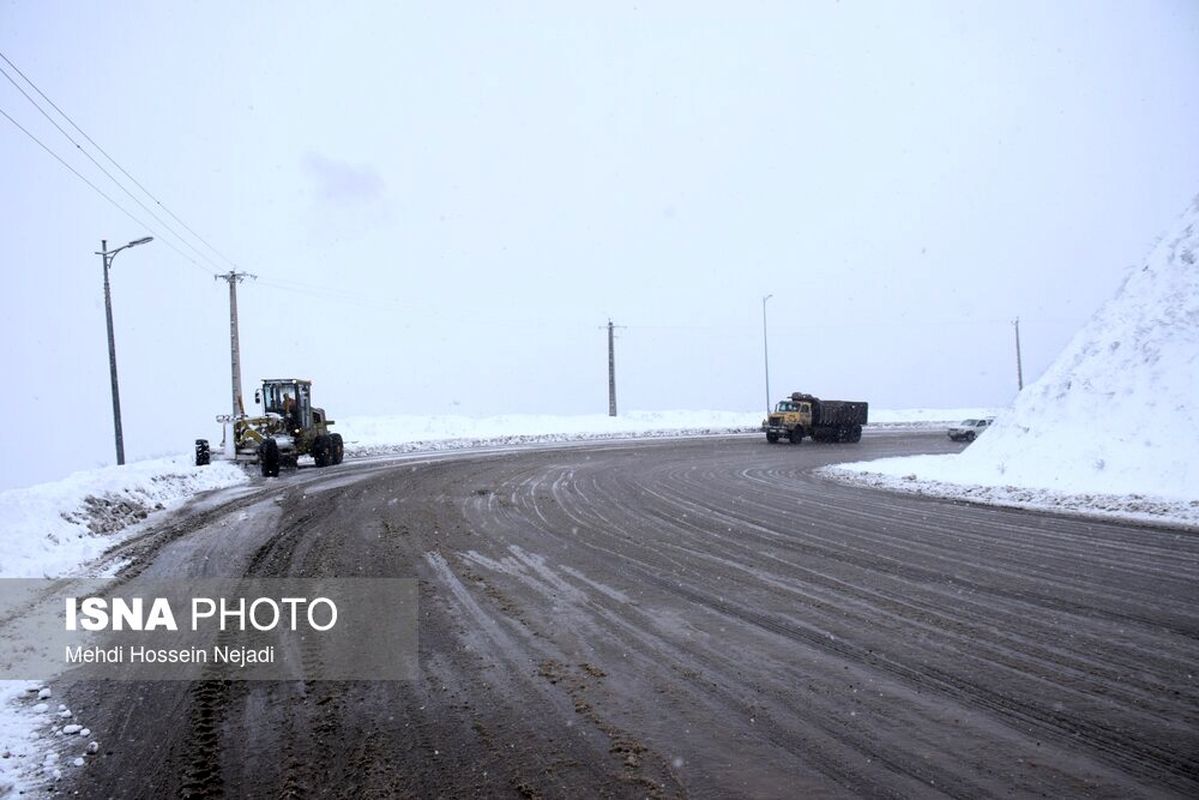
(773, 438)
(337, 447)
(855, 434)
(268, 457)
(796, 435)
(320, 451)
(203, 454)
(970, 436)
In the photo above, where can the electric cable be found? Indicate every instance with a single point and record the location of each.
(101, 192)
(100, 167)
(114, 162)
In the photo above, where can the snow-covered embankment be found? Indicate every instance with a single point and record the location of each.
(1111, 427)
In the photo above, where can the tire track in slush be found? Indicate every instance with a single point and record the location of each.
(603, 488)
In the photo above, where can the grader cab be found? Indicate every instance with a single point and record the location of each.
(288, 427)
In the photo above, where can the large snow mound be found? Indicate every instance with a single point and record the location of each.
(1116, 412)
(50, 529)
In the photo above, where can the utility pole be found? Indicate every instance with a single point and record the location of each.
(766, 352)
(611, 370)
(1019, 365)
(107, 256)
(235, 278)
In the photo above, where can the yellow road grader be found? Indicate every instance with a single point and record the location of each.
(288, 427)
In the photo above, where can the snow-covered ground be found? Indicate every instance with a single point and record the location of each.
(52, 529)
(38, 735)
(1111, 427)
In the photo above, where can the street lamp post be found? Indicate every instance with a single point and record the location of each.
(766, 351)
(1019, 363)
(107, 256)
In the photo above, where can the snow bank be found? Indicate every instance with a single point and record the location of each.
(51, 529)
(1115, 415)
(369, 435)
(926, 417)
(366, 436)
(40, 739)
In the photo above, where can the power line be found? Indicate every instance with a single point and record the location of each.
(292, 286)
(100, 167)
(281, 284)
(100, 191)
(74, 171)
(112, 160)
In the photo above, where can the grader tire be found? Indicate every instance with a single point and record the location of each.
(268, 457)
(337, 447)
(320, 451)
(203, 454)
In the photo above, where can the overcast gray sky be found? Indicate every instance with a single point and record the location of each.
(444, 203)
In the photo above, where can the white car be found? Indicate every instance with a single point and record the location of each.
(969, 429)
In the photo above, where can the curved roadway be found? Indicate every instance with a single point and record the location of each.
(700, 618)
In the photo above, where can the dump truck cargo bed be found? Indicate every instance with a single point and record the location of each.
(839, 412)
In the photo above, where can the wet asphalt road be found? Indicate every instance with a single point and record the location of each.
(698, 618)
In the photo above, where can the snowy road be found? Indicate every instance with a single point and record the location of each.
(694, 618)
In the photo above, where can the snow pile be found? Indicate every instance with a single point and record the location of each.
(50, 529)
(1115, 416)
(925, 417)
(401, 434)
(39, 738)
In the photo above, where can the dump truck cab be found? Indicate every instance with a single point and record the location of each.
(790, 418)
